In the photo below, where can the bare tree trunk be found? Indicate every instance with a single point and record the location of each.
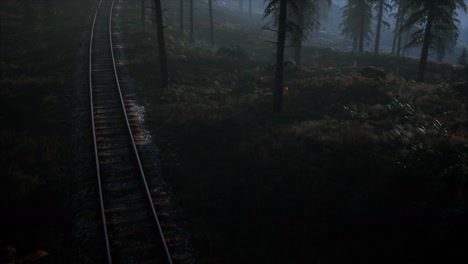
(379, 27)
(278, 92)
(355, 44)
(397, 29)
(210, 6)
(395, 36)
(153, 13)
(402, 35)
(181, 18)
(361, 42)
(191, 21)
(143, 18)
(161, 44)
(400, 39)
(361, 35)
(426, 45)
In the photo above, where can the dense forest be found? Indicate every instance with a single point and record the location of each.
(286, 131)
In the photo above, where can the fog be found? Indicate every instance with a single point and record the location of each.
(360, 160)
(328, 34)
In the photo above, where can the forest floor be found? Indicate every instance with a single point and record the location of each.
(354, 169)
(39, 56)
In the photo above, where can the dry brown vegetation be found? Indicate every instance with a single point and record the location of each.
(354, 169)
(39, 49)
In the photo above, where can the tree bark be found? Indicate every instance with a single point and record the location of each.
(361, 34)
(355, 44)
(426, 44)
(191, 21)
(395, 36)
(181, 18)
(161, 44)
(397, 29)
(399, 45)
(278, 92)
(379, 26)
(153, 13)
(143, 18)
(210, 6)
(361, 41)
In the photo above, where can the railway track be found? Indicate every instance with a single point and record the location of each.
(132, 228)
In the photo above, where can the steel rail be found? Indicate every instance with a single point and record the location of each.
(142, 173)
(143, 177)
(101, 198)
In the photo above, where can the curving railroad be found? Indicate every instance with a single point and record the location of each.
(133, 232)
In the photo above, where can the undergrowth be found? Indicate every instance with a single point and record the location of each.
(354, 169)
(39, 44)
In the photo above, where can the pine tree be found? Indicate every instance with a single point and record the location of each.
(161, 44)
(305, 19)
(279, 11)
(181, 18)
(191, 22)
(382, 6)
(437, 17)
(210, 16)
(357, 18)
(278, 8)
(399, 31)
(143, 18)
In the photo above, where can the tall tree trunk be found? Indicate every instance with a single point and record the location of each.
(361, 34)
(379, 26)
(181, 18)
(397, 29)
(426, 44)
(191, 21)
(361, 41)
(400, 37)
(250, 7)
(210, 7)
(161, 44)
(153, 13)
(355, 44)
(143, 18)
(278, 92)
(298, 46)
(395, 36)
(399, 46)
